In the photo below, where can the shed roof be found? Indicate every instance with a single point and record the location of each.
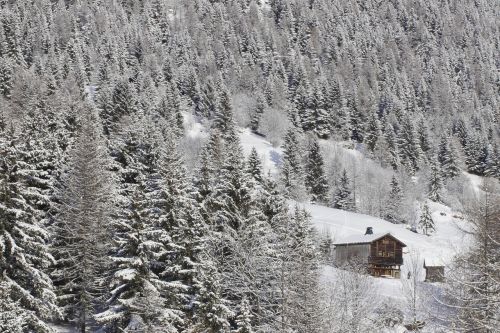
(364, 239)
(433, 262)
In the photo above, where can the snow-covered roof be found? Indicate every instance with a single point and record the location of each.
(433, 262)
(362, 239)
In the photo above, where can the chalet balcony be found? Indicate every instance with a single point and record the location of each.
(385, 260)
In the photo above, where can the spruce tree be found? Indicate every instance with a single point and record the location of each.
(492, 163)
(392, 209)
(393, 150)
(140, 244)
(213, 313)
(257, 113)
(82, 226)
(13, 318)
(316, 182)
(435, 181)
(24, 254)
(426, 222)
(423, 137)
(292, 169)
(6, 72)
(447, 159)
(244, 318)
(410, 151)
(373, 132)
(224, 118)
(254, 166)
(342, 197)
(303, 291)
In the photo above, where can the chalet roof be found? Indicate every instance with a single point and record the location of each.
(364, 239)
(433, 262)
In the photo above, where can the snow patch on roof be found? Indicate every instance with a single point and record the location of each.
(361, 239)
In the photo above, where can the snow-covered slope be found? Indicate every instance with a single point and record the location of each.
(441, 245)
(270, 156)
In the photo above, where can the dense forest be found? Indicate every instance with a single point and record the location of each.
(114, 219)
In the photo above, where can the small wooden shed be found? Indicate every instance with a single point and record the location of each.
(434, 270)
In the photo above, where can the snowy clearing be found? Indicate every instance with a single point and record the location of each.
(270, 156)
(441, 245)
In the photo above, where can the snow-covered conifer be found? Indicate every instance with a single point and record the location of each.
(392, 209)
(292, 169)
(435, 181)
(24, 254)
(447, 159)
(315, 181)
(342, 197)
(82, 226)
(254, 166)
(244, 317)
(426, 222)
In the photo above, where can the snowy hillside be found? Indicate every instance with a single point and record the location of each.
(270, 156)
(441, 245)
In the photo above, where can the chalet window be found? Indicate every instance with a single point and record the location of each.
(385, 241)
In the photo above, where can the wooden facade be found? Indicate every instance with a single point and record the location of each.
(386, 257)
(382, 255)
(434, 272)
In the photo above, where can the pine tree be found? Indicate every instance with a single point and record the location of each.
(257, 113)
(315, 181)
(213, 313)
(478, 267)
(435, 181)
(447, 159)
(393, 150)
(475, 154)
(409, 148)
(81, 229)
(423, 137)
(5, 77)
(24, 254)
(224, 118)
(342, 197)
(426, 222)
(140, 245)
(303, 292)
(184, 224)
(244, 318)
(13, 318)
(292, 170)
(392, 209)
(492, 165)
(373, 132)
(254, 166)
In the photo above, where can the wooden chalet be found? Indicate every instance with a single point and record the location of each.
(381, 254)
(434, 270)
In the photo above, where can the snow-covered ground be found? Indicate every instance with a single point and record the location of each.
(270, 156)
(440, 246)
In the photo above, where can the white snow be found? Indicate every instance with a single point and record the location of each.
(270, 156)
(360, 239)
(126, 274)
(441, 245)
(193, 127)
(475, 181)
